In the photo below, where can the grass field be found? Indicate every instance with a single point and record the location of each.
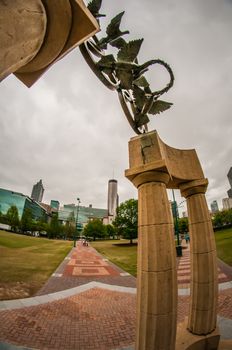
(224, 245)
(27, 262)
(120, 253)
(125, 256)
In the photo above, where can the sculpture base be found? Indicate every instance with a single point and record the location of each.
(188, 341)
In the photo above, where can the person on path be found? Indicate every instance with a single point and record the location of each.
(187, 238)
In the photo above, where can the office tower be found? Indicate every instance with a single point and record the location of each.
(227, 203)
(112, 197)
(229, 175)
(55, 204)
(214, 207)
(37, 191)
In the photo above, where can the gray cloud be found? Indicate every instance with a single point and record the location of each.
(70, 131)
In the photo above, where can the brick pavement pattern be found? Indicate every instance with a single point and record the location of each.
(97, 318)
(84, 265)
(183, 270)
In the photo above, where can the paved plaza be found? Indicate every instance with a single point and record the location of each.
(89, 303)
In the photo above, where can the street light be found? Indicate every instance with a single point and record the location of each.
(76, 231)
(175, 212)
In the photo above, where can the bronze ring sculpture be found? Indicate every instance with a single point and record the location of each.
(123, 73)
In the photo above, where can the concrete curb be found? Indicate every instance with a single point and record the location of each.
(47, 298)
(43, 299)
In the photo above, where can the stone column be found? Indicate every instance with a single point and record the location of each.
(204, 275)
(23, 27)
(156, 281)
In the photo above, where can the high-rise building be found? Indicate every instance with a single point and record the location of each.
(22, 202)
(214, 207)
(85, 214)
(112, 197)
(229, 175)
(55, 204)
(227, 203)
(37, 192)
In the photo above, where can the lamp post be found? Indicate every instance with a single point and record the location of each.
(175, 212)
(76, 231)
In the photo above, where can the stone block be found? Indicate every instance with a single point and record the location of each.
(156, 332)
(185, 340)
(202, 237)
(158, 240)
(202, 322)
(19, 43)
(158, 292)
(198, 211)
(83, 25)
(204, 295)
(204, 267)
(153, 207)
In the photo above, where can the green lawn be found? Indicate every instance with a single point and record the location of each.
(125, 256)
(224, 245)
(120, 253)
(28, 261)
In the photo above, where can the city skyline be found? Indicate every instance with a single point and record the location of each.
(74, 138)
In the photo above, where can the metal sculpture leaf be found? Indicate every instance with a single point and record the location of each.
(141, 119)
(125, 77)
(159, 106)
(140, 97)
(129, 51)
(113, 31)
(142, 81)
(118, 43)
(94, 7)
(106, 61)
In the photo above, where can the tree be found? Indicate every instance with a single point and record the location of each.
(95, 229)
(110, 231)
(69, 228)
(26, 221)
(126, 220)
(12, 216)
(222, 218)
(54, 229)
(183, 225)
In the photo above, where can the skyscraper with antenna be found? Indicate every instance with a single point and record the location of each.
(112, 197)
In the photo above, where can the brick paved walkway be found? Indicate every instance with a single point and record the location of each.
(183, 271)
(96, 318)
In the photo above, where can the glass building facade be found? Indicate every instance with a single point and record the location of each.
(9, 198)
(37, 191)
(85, 214)
(55, 204)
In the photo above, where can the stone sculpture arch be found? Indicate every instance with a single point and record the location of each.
(154, 167)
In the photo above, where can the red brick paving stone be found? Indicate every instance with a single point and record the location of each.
(88, 257)
(95, 319)
(183, 270)
(225, 303)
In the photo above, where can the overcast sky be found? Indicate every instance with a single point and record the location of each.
(69, 130)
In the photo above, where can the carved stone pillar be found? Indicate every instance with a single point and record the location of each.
(153, 167)
(156, 280)
(157, 285)
(204, 275)
(23, 27)
(35, 34)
